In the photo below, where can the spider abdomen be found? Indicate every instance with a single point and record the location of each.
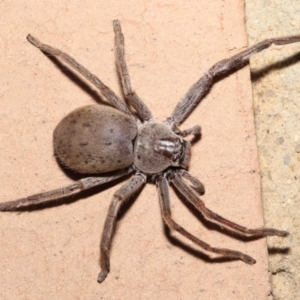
(95, 139)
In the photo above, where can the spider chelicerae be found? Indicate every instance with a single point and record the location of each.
(111, 142)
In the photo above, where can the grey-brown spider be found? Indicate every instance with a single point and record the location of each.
(98, 139)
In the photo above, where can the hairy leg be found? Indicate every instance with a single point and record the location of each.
(163, 191)
(130, 187)
(105, 90)
(133, 99)
(198, 91)
(72, 189)
(196, 184)
(190, 196)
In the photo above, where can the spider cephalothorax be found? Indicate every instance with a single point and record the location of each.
(116, 141)
(157, 147)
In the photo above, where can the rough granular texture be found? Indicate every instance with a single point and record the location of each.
(276, 92)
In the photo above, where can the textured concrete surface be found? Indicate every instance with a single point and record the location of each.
(276, 92)
(53, 253)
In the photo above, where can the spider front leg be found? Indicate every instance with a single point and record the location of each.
(163, 191)
(198, 91)
(130, 187)
(195, 130)
(190, 196)
(133, 99)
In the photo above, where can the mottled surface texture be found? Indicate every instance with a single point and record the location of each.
(276, 92)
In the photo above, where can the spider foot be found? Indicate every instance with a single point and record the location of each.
(248, 259)
(34, 41)
(236, 255)
(270, 232)
(281, 233)
(102, 275)
(43, 47)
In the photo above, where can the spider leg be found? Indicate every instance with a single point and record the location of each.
(105, 90)
(195, 130)
(197, 185)
(130, 187)
(72, 189)
(163, 191)
(133, 99)
(198, 91)
(189, 194)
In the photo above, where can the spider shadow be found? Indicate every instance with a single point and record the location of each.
(274, 250)
(258, 74)
(85, 194)
(255, 76)
(82, 195)
(210, 226)
(87, 88)
(284, 63)
(195, 252)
